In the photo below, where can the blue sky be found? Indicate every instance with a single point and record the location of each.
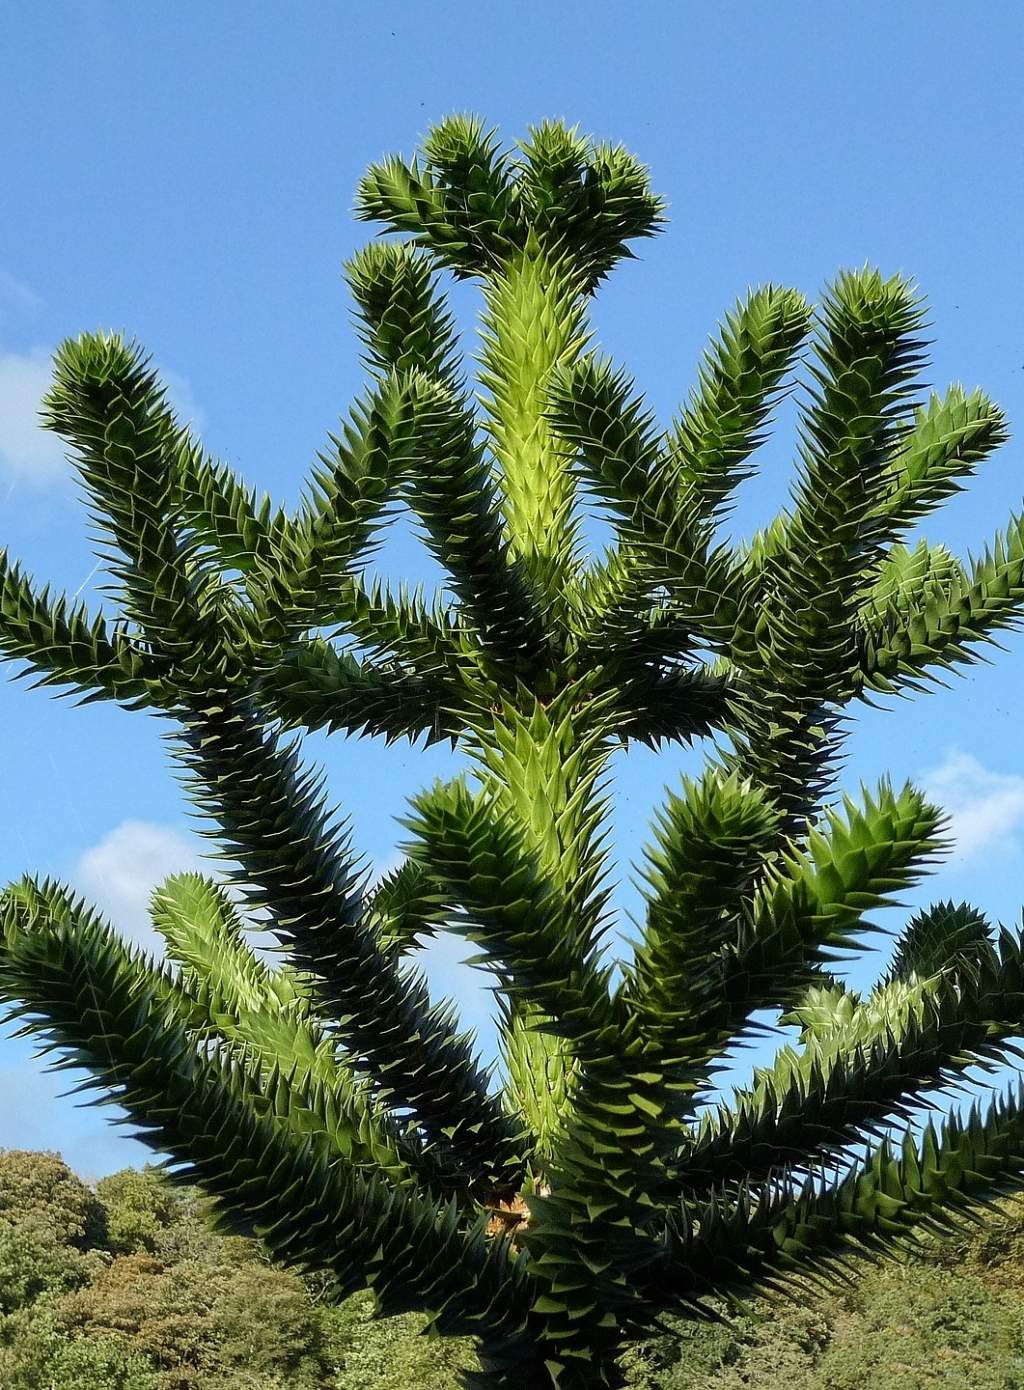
(186, 173)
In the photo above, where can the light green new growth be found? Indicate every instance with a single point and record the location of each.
(328, 1102)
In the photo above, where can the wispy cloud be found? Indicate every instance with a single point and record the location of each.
(16, 296)
(181, 399)
(28, 453)
(119, 873)
(985, 808)
(34, 456)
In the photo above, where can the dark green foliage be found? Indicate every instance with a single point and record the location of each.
(375, 1353)
(561, 1211)
(162, 1302)
(49, 1224)
(140, 1209)
(157, 1301)
(949, 1316)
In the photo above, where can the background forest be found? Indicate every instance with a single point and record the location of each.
(125, 1286)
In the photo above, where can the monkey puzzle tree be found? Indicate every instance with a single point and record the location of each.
(330, 1104)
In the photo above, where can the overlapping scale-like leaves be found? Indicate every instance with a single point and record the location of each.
(781, 1234)
(867, 1070)
(294, 863)
(552, 1210)
(60, 644)
(248, 1141)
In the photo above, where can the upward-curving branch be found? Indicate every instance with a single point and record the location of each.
(554, 1210)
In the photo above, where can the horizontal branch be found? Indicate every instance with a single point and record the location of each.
(930, 613)
(810, 910)
(867, 1072)
(767, 1236)
(312, 685)
(61, 644)
(267, 1014)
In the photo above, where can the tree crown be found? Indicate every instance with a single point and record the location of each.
(331, 1104)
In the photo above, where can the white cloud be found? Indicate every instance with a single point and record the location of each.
(181, 399)
(16, 295)
(118, 876)
(119, 873)
(985, 808)
(28, 453)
